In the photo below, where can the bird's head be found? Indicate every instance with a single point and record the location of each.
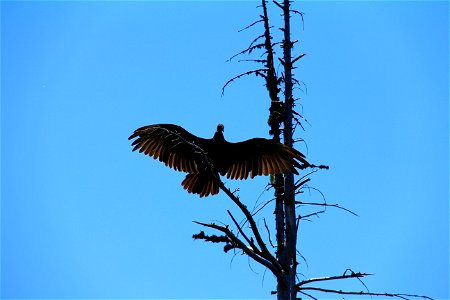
(218, 136)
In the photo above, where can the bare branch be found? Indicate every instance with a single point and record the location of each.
(301, 15)
(268, 232)
(275, 270)
(297, 120)
(262, 61)
(279, 5)
(319, 166)
(262, 206)
(344, 276)
(310, 215)
(309, 295)
(327, 205)
(297, 58)
(211, 238)
(251, 25)
(248, 50)
(361, 293)
(264, 251)
(249, 241)
(298, 185)
(258, 72)
(305, 176)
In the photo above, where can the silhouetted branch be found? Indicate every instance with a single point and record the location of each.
(268, 233)
(249, 50)
(298, 84)
(327, 205)
(247, 250)
(249, 241)
(305, 176)
(262, 206)
(344, 276)
(297, 58)
(253, 60)
(319, 166)
(361, 293)
(297, 120)
(211, 238)
(279, 5)
(349, 274)
(309, 295)
(301, 16)
(298, 185)
(258, 72)
(263, 248)
(251, 25)
(305, 217)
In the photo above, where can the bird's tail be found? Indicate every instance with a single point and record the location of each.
(201, 184)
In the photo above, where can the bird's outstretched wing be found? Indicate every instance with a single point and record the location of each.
(260, 156)
(170, 144)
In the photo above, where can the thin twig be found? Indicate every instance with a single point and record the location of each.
(251, 25)
(249, 241)
(262, 206)
(327, 205)
(310, 215)
(268, 232)
(309, 295)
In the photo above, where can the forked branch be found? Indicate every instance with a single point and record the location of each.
(264, 251)
(241, 245)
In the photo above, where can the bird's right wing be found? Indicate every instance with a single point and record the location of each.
(170, 144)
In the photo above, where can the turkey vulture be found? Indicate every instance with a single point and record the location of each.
(203, 158)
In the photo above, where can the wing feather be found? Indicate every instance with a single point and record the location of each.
(242, 165)
(231, 172)
(260, 156)
(279, 166)
(264, 165)
(172, 145)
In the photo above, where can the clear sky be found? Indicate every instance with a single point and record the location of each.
(84, 217)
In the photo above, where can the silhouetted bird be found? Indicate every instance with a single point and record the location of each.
(203, 158)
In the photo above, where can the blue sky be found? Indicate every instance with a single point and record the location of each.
(84, 217)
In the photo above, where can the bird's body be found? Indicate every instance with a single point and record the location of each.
(203, 158)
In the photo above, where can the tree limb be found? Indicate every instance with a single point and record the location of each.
(327, 205)
(344, 276)
(250, 252)
(361, 293)
(265, 252)
(259, 72)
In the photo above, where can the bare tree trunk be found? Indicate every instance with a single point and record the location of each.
(289, 188)
(289, 261)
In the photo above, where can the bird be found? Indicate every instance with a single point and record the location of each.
(203, 159)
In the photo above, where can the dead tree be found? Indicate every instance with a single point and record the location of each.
(283, 120)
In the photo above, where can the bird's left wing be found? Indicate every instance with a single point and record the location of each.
(170, 144)
(261, 156)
